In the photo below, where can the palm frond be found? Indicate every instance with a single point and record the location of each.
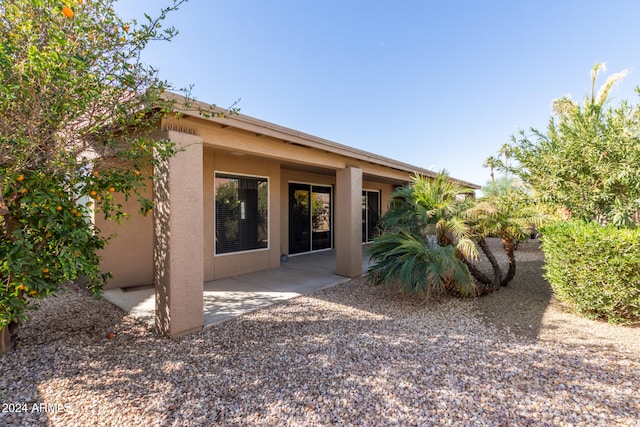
(468, 248)
(418, 266)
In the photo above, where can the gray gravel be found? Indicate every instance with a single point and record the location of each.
(349, 355)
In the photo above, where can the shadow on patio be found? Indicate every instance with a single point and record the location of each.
(230, 297)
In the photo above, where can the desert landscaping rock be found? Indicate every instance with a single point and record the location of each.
(347, 355)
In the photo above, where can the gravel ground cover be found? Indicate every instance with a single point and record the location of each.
(347, 355)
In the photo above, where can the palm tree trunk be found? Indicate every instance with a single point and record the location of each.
(486, 285)
(497, 273)
(509, 246)
(477, 274)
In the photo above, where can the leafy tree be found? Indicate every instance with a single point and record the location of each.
(77, 108)
(587, 161)
(500, 186)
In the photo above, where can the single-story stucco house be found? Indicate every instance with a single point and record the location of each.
(242, 193)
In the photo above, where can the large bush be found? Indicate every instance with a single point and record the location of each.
(595, 270)
(587, 163)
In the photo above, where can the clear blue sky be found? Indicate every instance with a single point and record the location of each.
(439, 84)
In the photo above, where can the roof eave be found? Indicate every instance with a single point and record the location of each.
(195, 108)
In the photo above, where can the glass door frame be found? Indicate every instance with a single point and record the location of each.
(310, 189)
(366, 214)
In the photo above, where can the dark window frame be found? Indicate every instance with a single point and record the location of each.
(368, 216)
(241, 216)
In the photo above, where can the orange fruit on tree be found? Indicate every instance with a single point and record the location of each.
(20, 178)
(111, 189)
(66, 11)
(58, 208)
(45, 270)
(92, 193)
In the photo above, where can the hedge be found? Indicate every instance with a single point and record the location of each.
(594, 269)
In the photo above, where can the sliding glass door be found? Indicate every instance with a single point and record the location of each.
(370, 214)
(310, 216)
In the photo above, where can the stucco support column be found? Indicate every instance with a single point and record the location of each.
(179, 238)
(348, 222)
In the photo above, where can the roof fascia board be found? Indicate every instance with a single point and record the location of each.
(261, 127)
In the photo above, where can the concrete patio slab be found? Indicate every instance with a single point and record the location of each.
(233, 296)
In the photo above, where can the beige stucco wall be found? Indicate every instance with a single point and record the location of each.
(220, 266)
(231, 139)
(384, 189)
(289, 175)
(178, 238)
(129, 254)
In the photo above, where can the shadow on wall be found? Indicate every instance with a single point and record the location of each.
(162, 233)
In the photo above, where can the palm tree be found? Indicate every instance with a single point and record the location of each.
(425, 238)
(419, 265)
(508, 216)
(506, 150)
(491, 162)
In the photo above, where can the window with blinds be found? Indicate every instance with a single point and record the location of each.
(241, 213)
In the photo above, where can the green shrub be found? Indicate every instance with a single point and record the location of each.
(594, 269)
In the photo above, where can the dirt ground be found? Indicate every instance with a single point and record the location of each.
(527, 308)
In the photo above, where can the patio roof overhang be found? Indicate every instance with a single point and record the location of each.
(293, 137)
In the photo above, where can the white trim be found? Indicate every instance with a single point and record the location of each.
(238, 252)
